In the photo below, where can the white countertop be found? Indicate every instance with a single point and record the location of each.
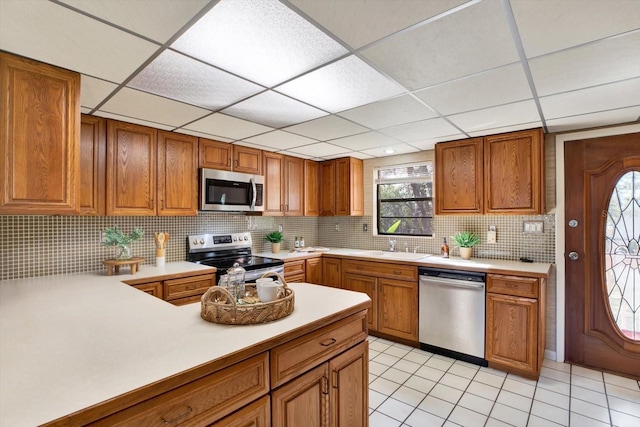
(71, 341)
(475, 264)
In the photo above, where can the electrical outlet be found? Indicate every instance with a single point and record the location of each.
(280, 228)
(337, 227)
(491, 236)
(365, 227)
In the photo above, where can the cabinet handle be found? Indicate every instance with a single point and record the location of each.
(327, 343)
(178, 418)
(335, 377)
(397, 272)
(325, 385)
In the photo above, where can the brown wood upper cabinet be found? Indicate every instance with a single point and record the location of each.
(311, 188)
(495, 174)
(342, 190)
(284, 182)
(93, 155)
(224, 156)
(150, 172)
(39, 138)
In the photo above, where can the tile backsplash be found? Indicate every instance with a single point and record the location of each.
(35, 245)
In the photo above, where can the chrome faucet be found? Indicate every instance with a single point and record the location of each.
(415, 250)
(392, 245)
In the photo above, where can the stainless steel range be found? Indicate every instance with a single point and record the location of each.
(223, 251)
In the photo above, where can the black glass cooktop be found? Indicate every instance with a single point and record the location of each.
(248, 262)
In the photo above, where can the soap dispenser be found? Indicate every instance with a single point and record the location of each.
(444, 249)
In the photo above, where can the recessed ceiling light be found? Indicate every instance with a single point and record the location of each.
(389, 151)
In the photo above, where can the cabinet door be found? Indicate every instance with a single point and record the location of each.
(331, 272)
(131, 169)
(303, 401)
(459, 177)
(248, 160)
(328, 188)
(514, 175)
(93, 162)
(349, 387)
(314, 270)
(293, 184)
(257, 414)
(311, 188)
(177, 174)
(214, 154)
(398, 308)
(274, 203)
(349, 183)
(39, 138)
(368, 285)
(512, 332)
(294, 271)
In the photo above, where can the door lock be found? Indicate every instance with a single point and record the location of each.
(573, 256)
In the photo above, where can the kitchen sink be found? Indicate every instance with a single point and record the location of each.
(406, 256)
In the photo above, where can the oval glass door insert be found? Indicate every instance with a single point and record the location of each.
(622, 255)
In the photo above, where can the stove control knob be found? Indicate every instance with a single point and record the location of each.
(195, 241)
(235, 239)
(202, 241)
(246, 238)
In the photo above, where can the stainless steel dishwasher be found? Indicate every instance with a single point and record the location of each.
(452, 313)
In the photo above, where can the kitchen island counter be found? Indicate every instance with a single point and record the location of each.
(72, 342)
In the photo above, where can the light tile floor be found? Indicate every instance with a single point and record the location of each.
(409, 387)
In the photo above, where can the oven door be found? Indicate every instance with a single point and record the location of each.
(230, 191)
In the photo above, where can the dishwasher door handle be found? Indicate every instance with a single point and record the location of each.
(451, 282)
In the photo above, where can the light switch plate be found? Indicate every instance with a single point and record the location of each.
(533, 227)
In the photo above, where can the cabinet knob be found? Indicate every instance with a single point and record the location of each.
(573, 256)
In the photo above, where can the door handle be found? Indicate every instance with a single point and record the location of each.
(573, 256)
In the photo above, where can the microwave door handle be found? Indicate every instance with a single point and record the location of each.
(253, 195)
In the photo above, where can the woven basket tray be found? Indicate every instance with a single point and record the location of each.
(219, 306)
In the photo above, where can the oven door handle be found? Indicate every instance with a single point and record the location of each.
(253, 193)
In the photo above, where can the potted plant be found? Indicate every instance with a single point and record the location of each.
(466, 240)
(115, 237)
(275, 237)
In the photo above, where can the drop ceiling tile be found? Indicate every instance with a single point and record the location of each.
(550, 25)
(389, 112)
(227, 126)
(203, 135)
(252, 145)
(279, 140)
(85, 110)
(592, 100)
(176, 76)
(291, 153)
(396, 149)
(325, 128)
(145, 106)
(356, 154)
(505, 129)
(361, 22)
(53, 34)
(495, 117)
(424, 129)
(275, 110)
(344, 84)
(429, 144)
(364, 141)
(603, 118)
(94, 91)
(320, 149)
(597, 63)
(471, 40)
(145, 17)
(133, 120)
(261, 40)
(495, 87)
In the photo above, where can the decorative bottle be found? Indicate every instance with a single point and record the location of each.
(301, 242)
(444, 249)
(297, 243)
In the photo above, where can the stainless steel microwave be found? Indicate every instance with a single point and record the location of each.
(231, 191)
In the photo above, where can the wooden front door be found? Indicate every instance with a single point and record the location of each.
(602, 257)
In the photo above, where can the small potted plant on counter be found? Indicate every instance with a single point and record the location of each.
(275, 237)
(115, 237)
(466, 240)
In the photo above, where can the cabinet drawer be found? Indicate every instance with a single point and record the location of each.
(298, 356)
(294, 267)
(186, 287)
(392, 271)
(294, 278)
(258, 414)
(513, 285)
(200, 402)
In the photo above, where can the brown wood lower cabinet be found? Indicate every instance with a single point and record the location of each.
(394, 310)
(331, 272)
(257, 414)
(177, 290)
(515, 325)
(294, 271)
(334, 393)
(314, 270)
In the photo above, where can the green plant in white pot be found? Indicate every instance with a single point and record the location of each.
(466, 240)
(275, 237)
(115, 237)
